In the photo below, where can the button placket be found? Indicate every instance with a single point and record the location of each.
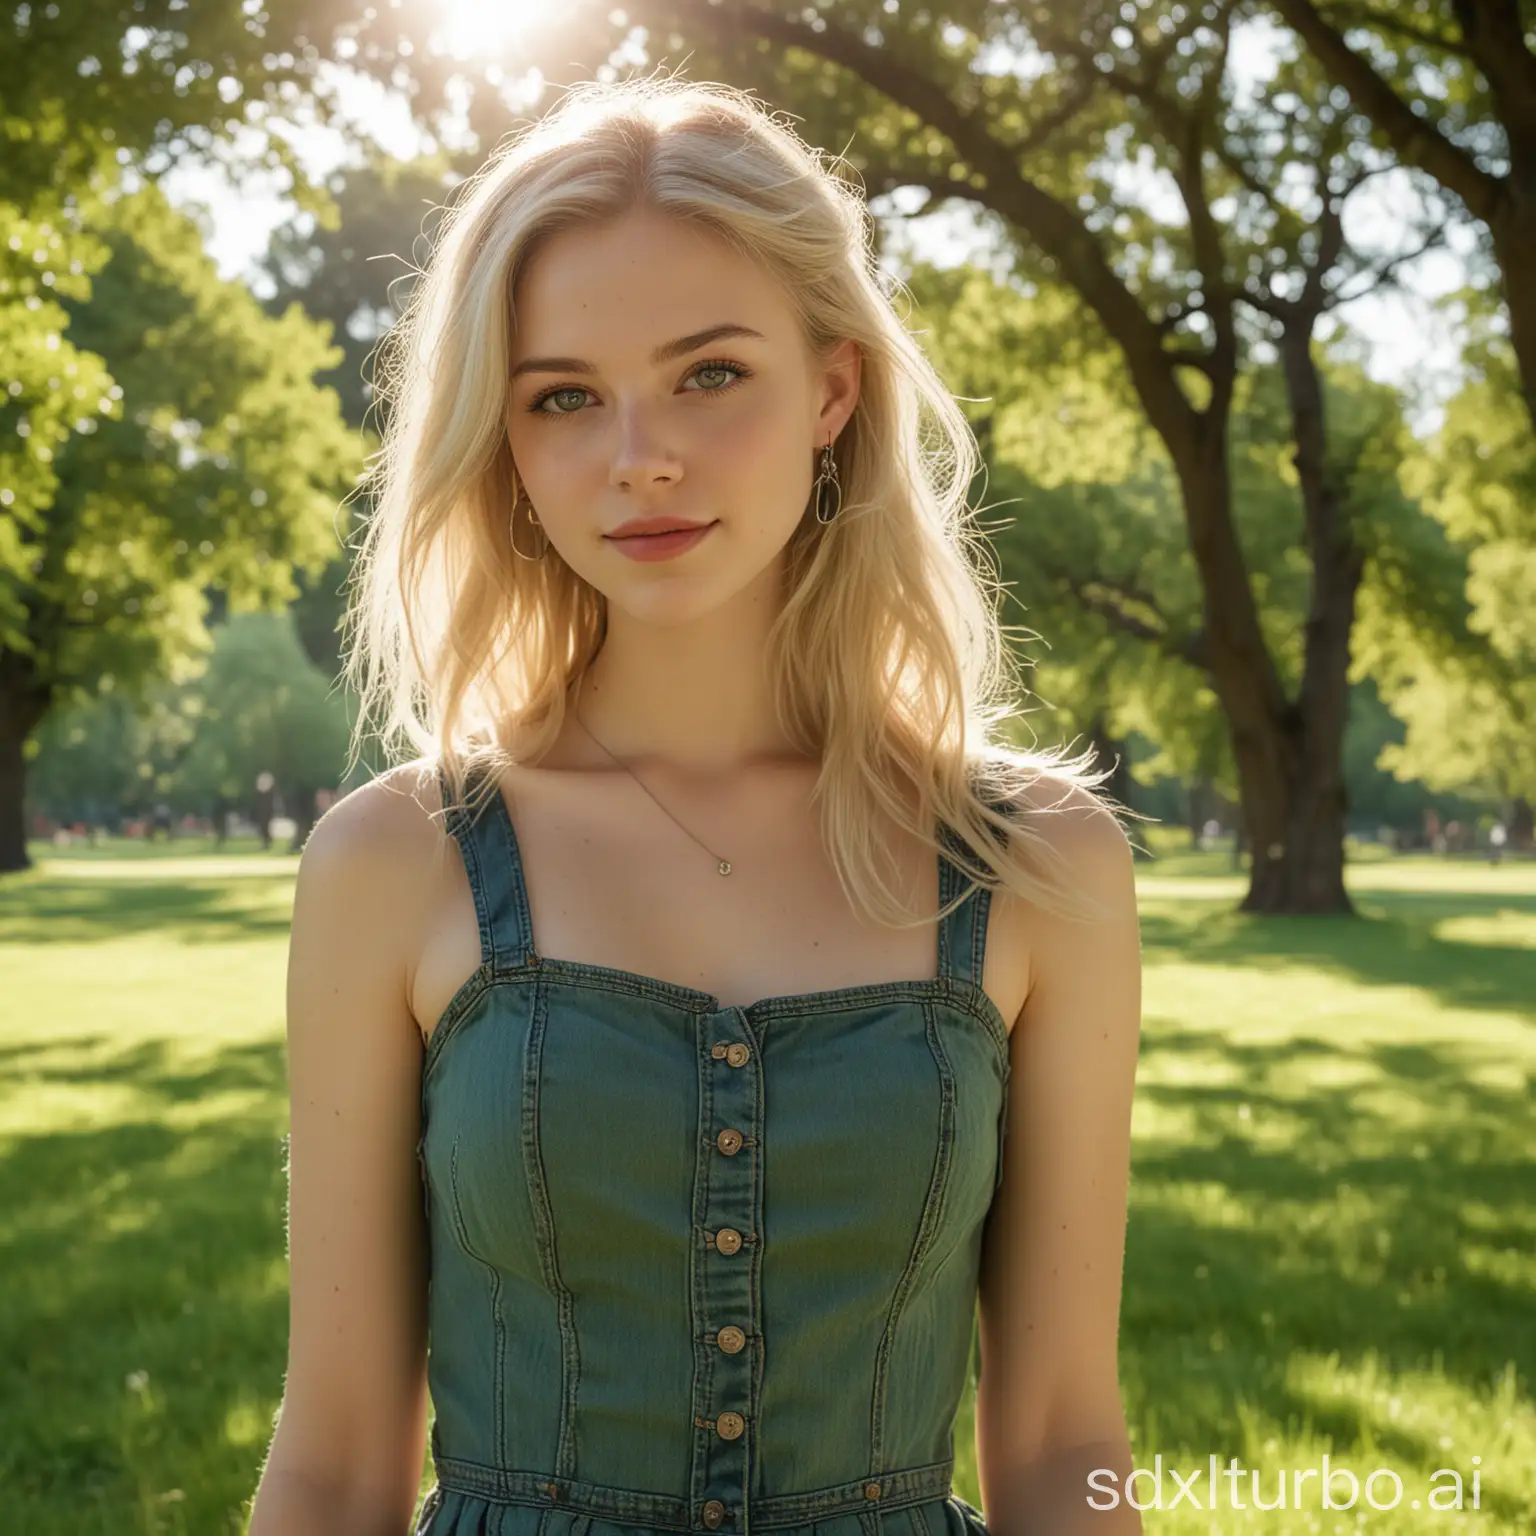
(730, 1243)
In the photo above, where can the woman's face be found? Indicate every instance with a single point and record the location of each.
(621, 404)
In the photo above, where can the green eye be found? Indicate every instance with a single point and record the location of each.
(736, 372)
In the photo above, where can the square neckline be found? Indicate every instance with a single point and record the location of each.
(966, 991)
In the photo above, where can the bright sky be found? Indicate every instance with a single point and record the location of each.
(1410, 345)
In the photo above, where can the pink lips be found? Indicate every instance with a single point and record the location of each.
(660, 546)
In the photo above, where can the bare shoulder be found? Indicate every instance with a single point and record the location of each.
(1086, 836)
(1072, 813)
(370, 831)
(372, 869)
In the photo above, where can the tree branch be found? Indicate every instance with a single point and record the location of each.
(1416, 140)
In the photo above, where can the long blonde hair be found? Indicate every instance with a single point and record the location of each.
(888, 661)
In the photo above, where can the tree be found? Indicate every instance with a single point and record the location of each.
(93, 93)
(1450, 85)
(1089, 533)
(220, 466)
(1471, 718)
(357, 271)
(1051, 120)
(1036, 113)
(113, 755)
(356, 274)
(263, 707)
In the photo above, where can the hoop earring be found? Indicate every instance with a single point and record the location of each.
(522, 501)
(828, 489)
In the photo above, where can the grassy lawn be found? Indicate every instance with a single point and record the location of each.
(1333, 1227)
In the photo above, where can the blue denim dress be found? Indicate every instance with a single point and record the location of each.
(697, 1268)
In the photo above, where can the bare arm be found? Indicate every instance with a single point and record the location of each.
(346, 1456)
(1048, 1405)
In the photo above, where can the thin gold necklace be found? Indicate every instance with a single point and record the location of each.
(723, 865)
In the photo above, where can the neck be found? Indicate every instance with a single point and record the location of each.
(691, 705)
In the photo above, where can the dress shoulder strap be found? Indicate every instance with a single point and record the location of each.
(489, 849)
(963, 934)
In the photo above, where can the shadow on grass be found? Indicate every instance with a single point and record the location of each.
(143, 1317)
(1390, 943)
(60, 909)
(1371, 1206)
(1386, 1222)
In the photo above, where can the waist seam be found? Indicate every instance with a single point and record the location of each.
(877, 1491)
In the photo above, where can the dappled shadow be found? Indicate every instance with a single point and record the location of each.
(64, 909)
(1385, 1220)
(1389, 944)
(157, 1073)
(144, 1246)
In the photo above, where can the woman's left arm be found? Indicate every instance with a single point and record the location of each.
(1049, 1413)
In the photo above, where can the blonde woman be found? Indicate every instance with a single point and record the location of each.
(714, 1015)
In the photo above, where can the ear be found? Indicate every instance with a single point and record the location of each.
(840, 375)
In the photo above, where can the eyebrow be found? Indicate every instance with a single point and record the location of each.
(663, 354)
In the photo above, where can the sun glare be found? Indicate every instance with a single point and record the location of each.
(470, 29)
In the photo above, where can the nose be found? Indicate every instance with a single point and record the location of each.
(640, 457)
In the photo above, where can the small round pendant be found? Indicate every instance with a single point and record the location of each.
(725, 867)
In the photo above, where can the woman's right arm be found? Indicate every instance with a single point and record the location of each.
(347, 1452)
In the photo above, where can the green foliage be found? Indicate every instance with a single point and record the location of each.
(111, 755)
(1091, 537)
(259, 706)
(262, 706)
(88, 88)
(1471, 714)
(222, 467)
(357, 273)
(85, 84)
(52, 388)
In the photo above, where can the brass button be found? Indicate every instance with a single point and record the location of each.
(728, 1240)
(729, 1426)
(713, 1513)
(729, 1142)
(737, 1054)
(731, 1340)
(718, 1052)
(871, 1490)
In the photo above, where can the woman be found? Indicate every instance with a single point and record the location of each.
(625, 1048)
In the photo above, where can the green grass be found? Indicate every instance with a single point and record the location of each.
(1333, 1226)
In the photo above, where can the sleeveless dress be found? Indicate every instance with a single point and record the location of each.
(698, 1268)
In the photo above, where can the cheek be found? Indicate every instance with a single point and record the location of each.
(769, 447)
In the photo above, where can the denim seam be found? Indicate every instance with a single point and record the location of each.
(981, 905)
(938, 1187)
(546, 1234)
(463, 831)
(460, 1005)
(964, 997)
(517, 894)
(900, 1489)
(498, 1323)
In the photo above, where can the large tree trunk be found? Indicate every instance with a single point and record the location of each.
(1301, 836)
(23, 703)
(1288, 754)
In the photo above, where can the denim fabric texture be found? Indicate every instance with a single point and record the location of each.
(698, 1268)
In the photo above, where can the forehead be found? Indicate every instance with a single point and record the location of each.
(620, 287)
